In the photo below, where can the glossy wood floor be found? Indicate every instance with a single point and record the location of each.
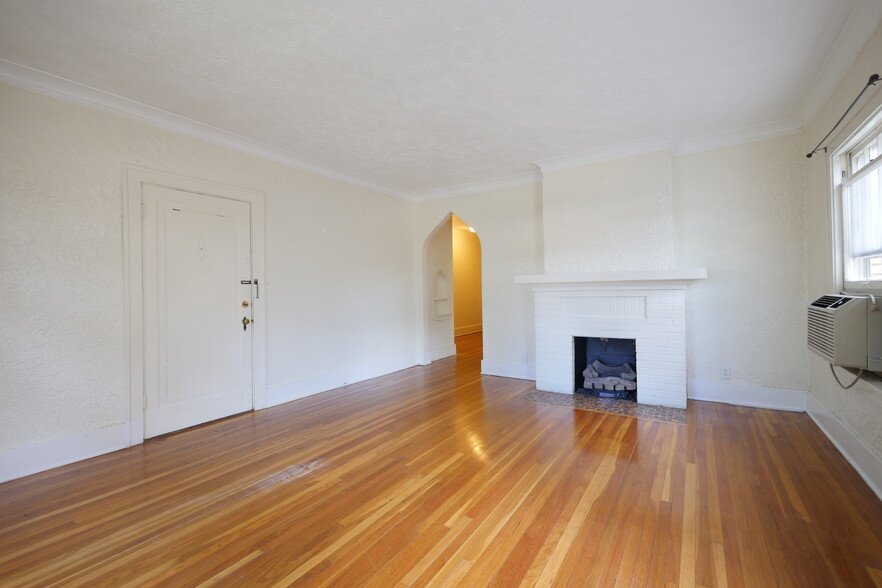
(437, 476)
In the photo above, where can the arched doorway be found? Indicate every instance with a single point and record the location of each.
(452, 300)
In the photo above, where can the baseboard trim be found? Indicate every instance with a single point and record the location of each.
(508, 369)
(467, 330)
(862, 459)
(742, 395)
(39, 457)
(281, 393)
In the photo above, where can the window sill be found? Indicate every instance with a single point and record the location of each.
(862, 290)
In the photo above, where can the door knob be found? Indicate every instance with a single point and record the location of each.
(245, 322)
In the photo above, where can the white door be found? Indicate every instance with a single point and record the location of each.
(197, 310)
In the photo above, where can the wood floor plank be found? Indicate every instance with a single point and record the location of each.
(690, 528)
(439, 476)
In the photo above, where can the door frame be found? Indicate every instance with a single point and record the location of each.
(134, 179)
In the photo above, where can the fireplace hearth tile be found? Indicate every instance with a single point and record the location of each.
(621, 407)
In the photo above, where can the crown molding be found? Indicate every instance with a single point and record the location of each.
(864, 19)
(606, 153)
(524, 179)
(763, 132)
(28, 78)
(862, 22)
(686, 146)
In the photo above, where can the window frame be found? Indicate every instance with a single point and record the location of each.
(840, 173)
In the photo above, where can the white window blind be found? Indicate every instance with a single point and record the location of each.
(862, 208)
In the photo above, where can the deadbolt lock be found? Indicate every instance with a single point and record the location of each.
(244, 304)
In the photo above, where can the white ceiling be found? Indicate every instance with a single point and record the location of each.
(427, 97)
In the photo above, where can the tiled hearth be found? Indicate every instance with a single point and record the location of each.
(622, 407)
(647, 306)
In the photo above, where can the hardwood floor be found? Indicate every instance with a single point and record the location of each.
(438, 476)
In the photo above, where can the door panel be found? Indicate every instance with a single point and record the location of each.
(197, 353)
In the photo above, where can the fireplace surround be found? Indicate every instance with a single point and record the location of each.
(647, 306)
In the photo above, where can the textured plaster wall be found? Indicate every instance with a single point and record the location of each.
(860, 407)
(466, 279)
(340, 263)
(508, 223)
(61, 286)
(340, 270)
(608, 216)
(740, 213)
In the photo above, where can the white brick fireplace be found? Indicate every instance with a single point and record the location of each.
(647, 306)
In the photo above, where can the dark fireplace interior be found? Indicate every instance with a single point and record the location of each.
(617, 373)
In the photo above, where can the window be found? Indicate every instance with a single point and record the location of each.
(860, 193)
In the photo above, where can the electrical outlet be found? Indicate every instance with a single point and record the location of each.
(725, 372)
(525, 358)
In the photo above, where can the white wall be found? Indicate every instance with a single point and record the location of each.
(340, 267)
(608, 216)
(508, 222)
(859, 409)
(739, 213)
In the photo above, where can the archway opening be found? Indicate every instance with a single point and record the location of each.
(467, 303)
(453, 302)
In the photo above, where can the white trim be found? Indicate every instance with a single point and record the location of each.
(34, 80)
(745, 395)
(467, 329)
(606, 153)
(132, 240)
(735, 137)
(30, 459)
(863, 21)
(508, 369)
(612, 278)
(856, 131)
(281, 393)
(678, 147)
(867, 464)
(524, 179)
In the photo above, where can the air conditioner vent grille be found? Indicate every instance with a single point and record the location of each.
(829, 301)
(820, 333)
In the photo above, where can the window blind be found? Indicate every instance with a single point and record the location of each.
(862, 212)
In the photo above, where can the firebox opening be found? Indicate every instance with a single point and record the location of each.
(605, 367)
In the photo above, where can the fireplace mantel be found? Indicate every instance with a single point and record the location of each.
(660, 278)
(646, 306)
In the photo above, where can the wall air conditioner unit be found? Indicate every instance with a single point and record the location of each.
(846, 331)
